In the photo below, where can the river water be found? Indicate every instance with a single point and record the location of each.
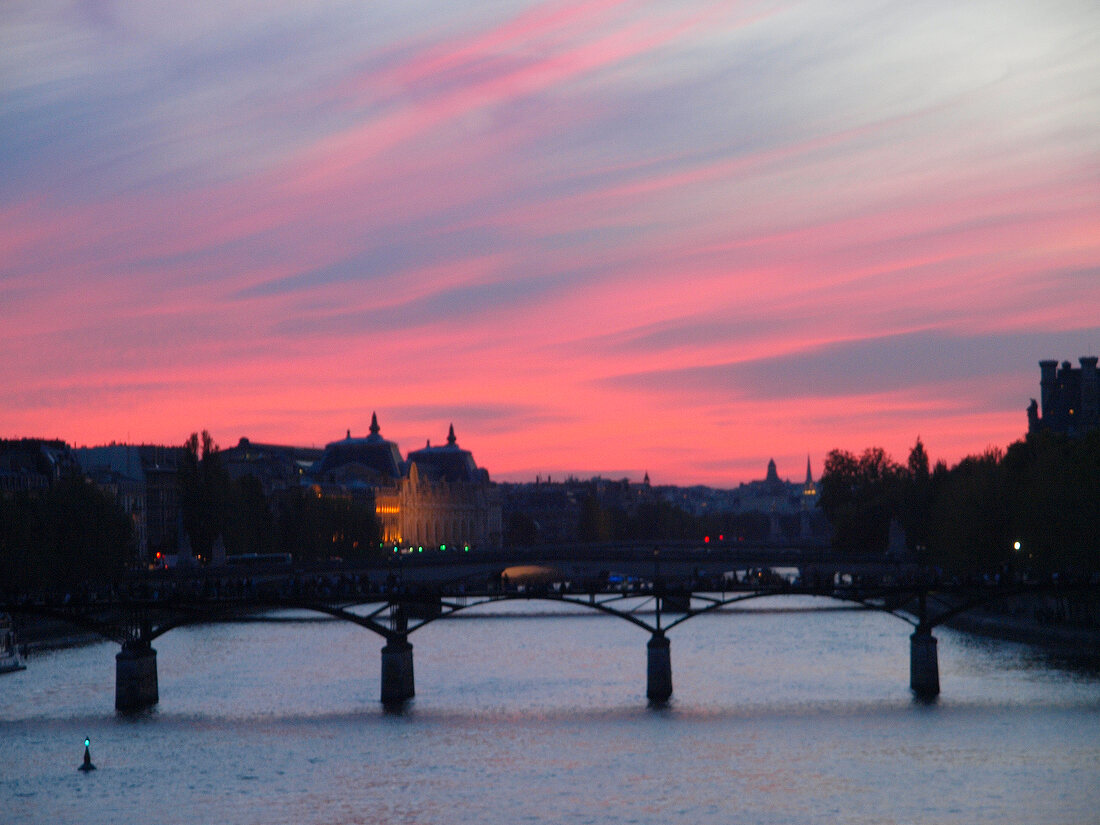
(528, 712)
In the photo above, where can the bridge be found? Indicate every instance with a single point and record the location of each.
(656, 590)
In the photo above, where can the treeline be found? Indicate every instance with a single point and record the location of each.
(72, 532)
(1034, 506)
(296, 521)
(69, 533)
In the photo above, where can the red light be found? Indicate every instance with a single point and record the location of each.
(721, 537)
(706, 540)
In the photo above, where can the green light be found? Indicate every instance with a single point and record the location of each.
(419, 549)
(87, 742)
(442, 547)
(467, 548)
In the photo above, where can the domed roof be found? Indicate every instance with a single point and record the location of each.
(372, 456)
(447, 463)
(772, 482)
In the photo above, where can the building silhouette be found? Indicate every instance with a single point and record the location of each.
(785, 503)
(144, 480)
(277, 467)
(33, 464)
(1070, 398)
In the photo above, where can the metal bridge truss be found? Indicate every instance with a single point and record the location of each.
(394, 616)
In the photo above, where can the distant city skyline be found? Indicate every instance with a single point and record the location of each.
(599, 237)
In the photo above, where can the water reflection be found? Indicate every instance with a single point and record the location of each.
(778, 716)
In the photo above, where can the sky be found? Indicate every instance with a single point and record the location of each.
(598, 236)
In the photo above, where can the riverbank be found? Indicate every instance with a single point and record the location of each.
(36, 635)
(1027, 630)
(1063, 624)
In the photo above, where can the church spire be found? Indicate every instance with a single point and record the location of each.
(374, 428)
(451, 436)
(809, 475)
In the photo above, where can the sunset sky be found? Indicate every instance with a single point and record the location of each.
(599, 237)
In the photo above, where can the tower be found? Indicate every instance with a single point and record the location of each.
(809, 501)
(1049, 372)
(1090, 394)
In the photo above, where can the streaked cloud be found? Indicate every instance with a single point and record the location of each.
(926, 362)
(595, 234)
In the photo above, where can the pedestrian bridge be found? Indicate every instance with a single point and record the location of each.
(656, 594)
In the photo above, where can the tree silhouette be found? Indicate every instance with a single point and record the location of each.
(860, 496)
(204, 493)
(69, 535)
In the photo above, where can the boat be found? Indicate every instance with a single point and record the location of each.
(9, 651)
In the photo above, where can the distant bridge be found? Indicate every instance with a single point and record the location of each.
(655, 590)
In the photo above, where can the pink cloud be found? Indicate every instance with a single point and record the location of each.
(494, 219)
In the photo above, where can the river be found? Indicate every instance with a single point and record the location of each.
(531, 713)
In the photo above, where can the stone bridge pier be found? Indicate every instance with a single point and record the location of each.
(924, 668)
(397, 671)
(136, 676)
(658, 683)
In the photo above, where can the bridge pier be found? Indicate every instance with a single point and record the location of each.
(397, 671)
(924, 668)
(136, 677)
(658, 684)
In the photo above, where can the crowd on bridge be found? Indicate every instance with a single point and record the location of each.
(206, 585)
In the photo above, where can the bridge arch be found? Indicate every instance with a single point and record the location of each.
(578, 600)
(365, 621)
(714, 604)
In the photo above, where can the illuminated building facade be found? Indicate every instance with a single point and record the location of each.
(437, 497)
